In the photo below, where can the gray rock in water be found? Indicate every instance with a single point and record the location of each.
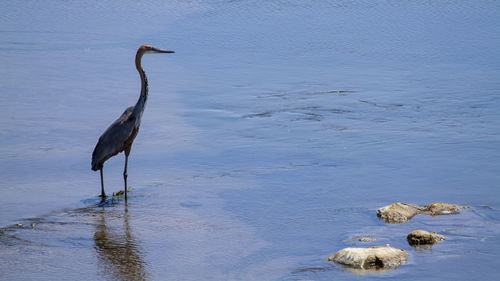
(402, 212)
(437, 209)
(378, 258)
(422, 237)
(364, 239)
(398, 212)
(360, 238)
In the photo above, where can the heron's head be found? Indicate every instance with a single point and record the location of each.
(148, 49)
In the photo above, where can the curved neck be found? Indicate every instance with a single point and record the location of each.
(141, 103)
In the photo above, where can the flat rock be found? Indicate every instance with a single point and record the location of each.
(360, 238)
(422, 237)
(403, 212)
(364, 239)
(437, 209)
(370, 258)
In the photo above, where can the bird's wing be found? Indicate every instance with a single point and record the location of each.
(113, 139)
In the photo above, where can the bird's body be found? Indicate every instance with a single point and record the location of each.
(120, 135)
(117, 138)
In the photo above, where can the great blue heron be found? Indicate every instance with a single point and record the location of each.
(121, 134)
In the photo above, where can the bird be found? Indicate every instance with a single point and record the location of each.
(120, 135)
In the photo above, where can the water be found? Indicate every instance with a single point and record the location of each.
(270, 138)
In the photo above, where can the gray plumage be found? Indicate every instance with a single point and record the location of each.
(120, 135)
(115, 139)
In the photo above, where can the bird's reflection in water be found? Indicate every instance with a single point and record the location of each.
(119, 255)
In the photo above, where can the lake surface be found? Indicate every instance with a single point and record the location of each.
(270, 138)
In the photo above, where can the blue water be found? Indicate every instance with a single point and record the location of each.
(270, 137)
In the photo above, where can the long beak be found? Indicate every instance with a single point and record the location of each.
(161, 51)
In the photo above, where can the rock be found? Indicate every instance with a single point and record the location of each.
(437, 209)
(398, 212)
(364, 239)
(422, 237)
(370, 258)
(360, 238)
(402, 212)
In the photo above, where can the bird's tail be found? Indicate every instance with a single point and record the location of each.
(95, 164)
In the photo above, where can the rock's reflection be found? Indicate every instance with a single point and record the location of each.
(119, 254)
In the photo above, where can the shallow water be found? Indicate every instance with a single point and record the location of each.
(270, 138)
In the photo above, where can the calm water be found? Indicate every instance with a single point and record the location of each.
(270, 138)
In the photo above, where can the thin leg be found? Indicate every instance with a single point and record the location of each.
(103, 195)
(125, 175)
